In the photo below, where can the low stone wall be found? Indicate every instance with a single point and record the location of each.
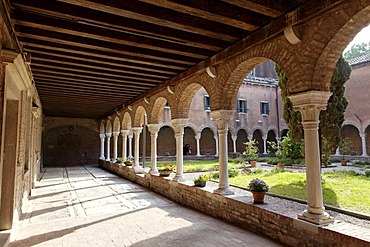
(240, 211)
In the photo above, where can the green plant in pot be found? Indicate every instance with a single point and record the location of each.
(345, 149)
(128, 161)
(251, 150)
(201, 180)
(165, 170)
(258, 187)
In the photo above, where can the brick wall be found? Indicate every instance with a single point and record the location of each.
(263, 219)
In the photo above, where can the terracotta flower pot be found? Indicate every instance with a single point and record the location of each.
(343, 162)
(164, 173)
(253, 163)
(281, 166)
(258, 197)
(128, 163)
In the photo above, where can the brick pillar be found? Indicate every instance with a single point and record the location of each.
(153, 129)
(124, 134)
(108, 135)
(310, 104)
(222, 118)
(178, 126)
(102, 140)
(115, 142)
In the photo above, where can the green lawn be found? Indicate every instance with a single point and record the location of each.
(341, 189)
(199, 165)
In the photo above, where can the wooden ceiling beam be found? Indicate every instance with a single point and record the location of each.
(120, 75)
(39, 43)
(63, 83)
(159, 16)
(216, 11)
(68, 78)
(65, 96)
(82, 59)
(85, 103)
(67, 39)
(134, 81)
(131, 25)
(266, 7)
(106, 35)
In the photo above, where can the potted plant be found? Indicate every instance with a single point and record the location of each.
(273, 149)
(165, 170)
(258, 187)
(128, 162)
(119, 160)
(251, 150)
(201, 180)
(344, 147)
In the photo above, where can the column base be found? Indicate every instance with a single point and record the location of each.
(179, 178)
(318, 219)
(138, 169)
(102, 158)
(153, 172)
(224, 191)
(108, 160)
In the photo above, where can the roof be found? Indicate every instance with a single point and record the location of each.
(359, 60)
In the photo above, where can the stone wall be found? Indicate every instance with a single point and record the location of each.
(240, 210)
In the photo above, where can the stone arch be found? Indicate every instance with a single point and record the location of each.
(356, 125)
(257, 136)
(126, 121)
(271, 135)
(284, 133)
(211, 127)
(166, 141)
(116, 124)
(139, 116)
(189, 138)
(157, 110)
(108, 127)
(352, 133)
(207, 141)
(242, 138)
(339, 32)
(193, 127)
(102, 128)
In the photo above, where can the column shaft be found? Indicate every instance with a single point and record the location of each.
(153, 129)
(124, 134)
(108, 135)
(102, 140)
(115, 144)
(363, 142)
(179, 125)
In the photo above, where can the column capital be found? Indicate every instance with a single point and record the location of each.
(108, 135)
(102, 135)
(234, 138)
(179, 124)
(153, 128)
(215, 137)
(309, 104)
(198, 135)
(116, 133)
(222, 118)
(363, 134)
(137, 130)
(125, 132)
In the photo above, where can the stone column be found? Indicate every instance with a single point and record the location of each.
(124, 134)
(221, 118)
(178, 126)
(153, 129)
(108, 135)
(102, 140)
(363, 141)
(130, 137)
(197, 138)
(337, 152)
(234, 143)
(310, 104)
(115, 142)
(264, 138)
(216, 139)
(137, 131)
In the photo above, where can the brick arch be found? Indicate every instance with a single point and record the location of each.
(126, 121)
(108, 127)
(352, 133)
(340, 28)
(51, 123)
(157, 110)
(116, 124)
(139, 116)
(185, 94)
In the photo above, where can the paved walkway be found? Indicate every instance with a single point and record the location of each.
(87, 206)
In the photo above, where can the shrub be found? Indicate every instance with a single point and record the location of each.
(367, 173)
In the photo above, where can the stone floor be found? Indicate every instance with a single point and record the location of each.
(87, 206)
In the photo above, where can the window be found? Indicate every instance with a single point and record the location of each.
(207, 104)
(265, 108)
(242, 106)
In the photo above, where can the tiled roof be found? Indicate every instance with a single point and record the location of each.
(359, 60)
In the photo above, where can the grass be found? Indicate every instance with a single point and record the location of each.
(200, 165)
(342, 189)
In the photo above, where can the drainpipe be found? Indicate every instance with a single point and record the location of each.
(277, 115)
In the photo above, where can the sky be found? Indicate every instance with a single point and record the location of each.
(363, 36)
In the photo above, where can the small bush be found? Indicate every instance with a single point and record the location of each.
(215, 175)
(233, 172)
(257, 171)
(367, 173)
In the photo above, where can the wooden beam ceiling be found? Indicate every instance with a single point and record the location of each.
(96, 55)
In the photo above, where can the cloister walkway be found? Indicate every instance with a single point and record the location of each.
(87, 206)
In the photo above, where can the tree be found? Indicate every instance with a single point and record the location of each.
(331, 119)
(357, 50)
